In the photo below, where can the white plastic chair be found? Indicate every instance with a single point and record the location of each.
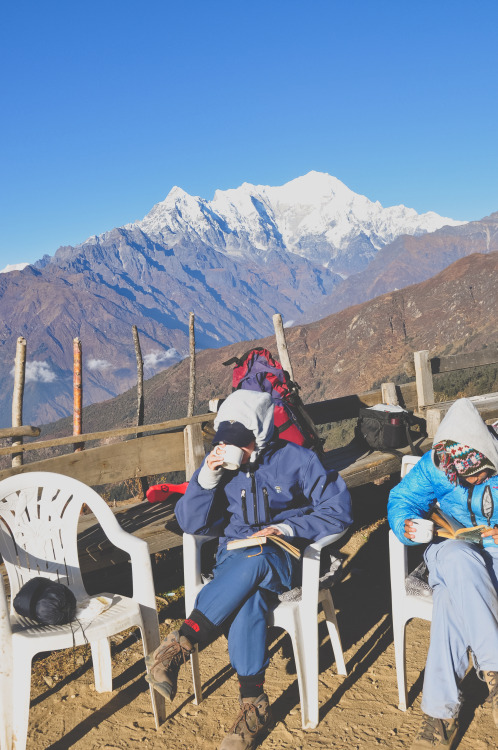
(39, 514)
(404, 606)
(299, 619)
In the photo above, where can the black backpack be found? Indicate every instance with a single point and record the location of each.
(390, 430)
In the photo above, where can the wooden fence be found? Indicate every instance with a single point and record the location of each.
(177, 445)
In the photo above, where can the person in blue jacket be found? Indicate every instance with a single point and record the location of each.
(460, 473)
(280, 488)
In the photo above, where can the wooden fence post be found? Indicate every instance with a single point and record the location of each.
(77, 393)
(389, 395)
(193, 440)
(191, 388)
(140, 379)
(141, 481)
(17, 398)
(433, 420)
(283, 353)
(423, 377)
(194, 449)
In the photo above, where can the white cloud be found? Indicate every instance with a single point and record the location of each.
(98, 364)
(158, 357)
(288, 323)
(38, 372)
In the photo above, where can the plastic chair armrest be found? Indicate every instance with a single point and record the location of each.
(398, 565)
(110, 525)
(325, 541)
(138, 550)
(192, 546)
(311, 567)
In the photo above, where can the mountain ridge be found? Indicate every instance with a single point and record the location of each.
(316, 216)
(348, 352)
(409, 260)
(232, 276)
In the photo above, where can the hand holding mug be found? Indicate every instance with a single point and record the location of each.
(226, 457)
(419, 530)
(216, 457)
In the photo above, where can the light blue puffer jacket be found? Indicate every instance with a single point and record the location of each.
(424, 484)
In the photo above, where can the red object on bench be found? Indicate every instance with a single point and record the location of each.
(160, 492)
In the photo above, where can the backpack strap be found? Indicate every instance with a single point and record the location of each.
(412, 420)
(285, 426)
(240, 360)
(232, 361)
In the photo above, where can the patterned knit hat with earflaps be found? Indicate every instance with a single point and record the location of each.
(459, 460)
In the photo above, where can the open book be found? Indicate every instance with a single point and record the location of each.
(256, 541)
(450, 528)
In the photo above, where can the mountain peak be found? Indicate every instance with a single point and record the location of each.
(315, 186)
(176, 193)
(315, 215)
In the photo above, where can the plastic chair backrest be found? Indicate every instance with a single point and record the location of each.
(407, 463)
(39, 514)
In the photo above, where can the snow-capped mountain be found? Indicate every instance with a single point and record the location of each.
(14, 267)
(234, 261)
(315, 216)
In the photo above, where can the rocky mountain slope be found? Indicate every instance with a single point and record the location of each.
(234, 262)
(409, 260)
(348, 352)
(98, 292)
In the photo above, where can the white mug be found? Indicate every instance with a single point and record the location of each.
(232, 458)
(424, 530)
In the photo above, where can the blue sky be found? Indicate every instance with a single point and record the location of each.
(107, 105)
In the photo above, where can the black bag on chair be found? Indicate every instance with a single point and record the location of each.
(48, 602)
(389, 430)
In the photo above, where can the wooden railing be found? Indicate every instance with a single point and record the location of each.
(177, 445)
(425, 368)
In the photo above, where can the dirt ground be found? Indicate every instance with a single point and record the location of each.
(357, 712)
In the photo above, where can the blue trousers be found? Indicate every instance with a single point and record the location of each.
(464, 619)
(244, 588)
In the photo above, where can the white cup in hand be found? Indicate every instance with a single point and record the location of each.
(232, 458)
(424, 530)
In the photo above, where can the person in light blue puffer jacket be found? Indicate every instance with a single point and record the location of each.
(461, 474)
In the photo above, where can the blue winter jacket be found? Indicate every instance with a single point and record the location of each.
(424, 484)
(287, 485)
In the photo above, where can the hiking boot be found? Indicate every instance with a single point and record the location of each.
(253, 719)
(492, 682)
(164, 664)
(435, 733)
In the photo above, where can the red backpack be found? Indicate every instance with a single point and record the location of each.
(257, 370)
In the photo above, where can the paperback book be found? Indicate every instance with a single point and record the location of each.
(256, 541)
(450, 528)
